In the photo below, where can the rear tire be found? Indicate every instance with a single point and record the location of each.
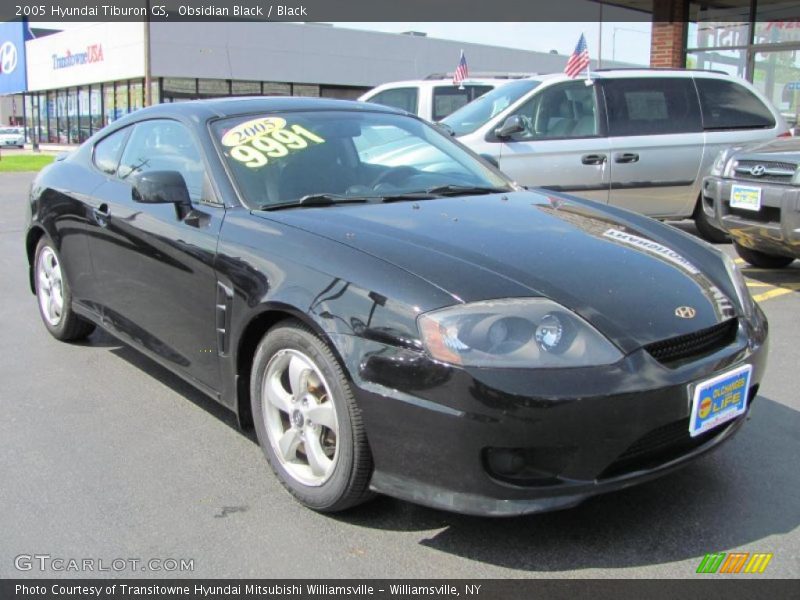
(707, 231)
(307, 421)
(55, 297)
(762, 260)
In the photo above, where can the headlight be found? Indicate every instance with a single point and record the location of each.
(742, 292)
(514, 333)
(721, 166)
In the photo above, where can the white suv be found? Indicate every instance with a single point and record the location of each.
(433, 98)
(641, 139)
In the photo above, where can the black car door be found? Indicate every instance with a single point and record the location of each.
(154, 263)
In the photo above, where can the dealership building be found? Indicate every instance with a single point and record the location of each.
(73, 82)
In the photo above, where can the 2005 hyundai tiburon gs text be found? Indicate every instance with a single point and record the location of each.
(392, 313)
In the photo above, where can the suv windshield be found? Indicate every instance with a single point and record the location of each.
(280, 159)
(469, 118)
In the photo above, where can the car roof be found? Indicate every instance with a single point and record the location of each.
(243, 105)
(653, 73)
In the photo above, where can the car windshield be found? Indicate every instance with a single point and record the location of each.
(283, 159)
(472, 116)
(9, 131)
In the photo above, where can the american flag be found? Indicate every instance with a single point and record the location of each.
(462, 71)
(579, 59)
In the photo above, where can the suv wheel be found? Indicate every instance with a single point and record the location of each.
(760, 259)
(708, 231)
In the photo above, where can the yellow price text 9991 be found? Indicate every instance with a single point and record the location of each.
(274, 144)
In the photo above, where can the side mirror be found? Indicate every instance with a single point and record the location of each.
(512, 125)
(160, 187)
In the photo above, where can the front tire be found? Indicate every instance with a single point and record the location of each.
(55, 297)
(307, 421)
(762, 260)
(708, 231)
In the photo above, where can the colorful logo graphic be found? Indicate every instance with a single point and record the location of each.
(734, 562)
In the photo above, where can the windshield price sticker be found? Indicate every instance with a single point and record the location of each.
(255, 142)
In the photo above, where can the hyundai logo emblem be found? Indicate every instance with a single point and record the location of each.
(8, 57)
(685, 312)
(758, 170)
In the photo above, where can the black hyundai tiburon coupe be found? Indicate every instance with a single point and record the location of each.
(391, 312)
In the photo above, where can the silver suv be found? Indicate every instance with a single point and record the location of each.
(753, 193)
(640, 139)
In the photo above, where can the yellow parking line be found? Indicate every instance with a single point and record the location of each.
(752, 284)
(738, 261)
(772, 294)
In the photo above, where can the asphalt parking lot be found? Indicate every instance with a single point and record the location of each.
(105, 455)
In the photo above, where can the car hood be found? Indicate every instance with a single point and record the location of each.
(781, 149)
(591, 259)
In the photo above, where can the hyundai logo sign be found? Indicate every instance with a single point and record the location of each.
(758, 170)
(8, 58)
(13, 74)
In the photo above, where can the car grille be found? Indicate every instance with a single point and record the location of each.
(674, 350)
(778, 172)
(664, 444)
(766, 214)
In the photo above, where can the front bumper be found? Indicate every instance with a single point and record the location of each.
(581, 431)
(775, 229)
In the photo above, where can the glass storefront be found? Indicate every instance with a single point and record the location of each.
(759, 41)
(71, 115)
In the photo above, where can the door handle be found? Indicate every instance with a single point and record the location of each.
(626, 157)
(593, 159)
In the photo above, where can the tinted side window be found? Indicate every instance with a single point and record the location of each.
(162, 145)
(728, 105)
(449, 98)
(651, 106)
(108, 150)
(561, 111)
(402, 98)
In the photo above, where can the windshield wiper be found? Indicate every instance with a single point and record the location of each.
(313, 200)
(464, 190)
(408, 197)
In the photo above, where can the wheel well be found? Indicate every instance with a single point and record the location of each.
(31, 241)
(246, 351)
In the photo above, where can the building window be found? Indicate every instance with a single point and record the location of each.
(246, 88)
(301, 89)
(120, 99)
(136, 94)
(84, 114)
(213, 87)
(271, 88)
(62, 125)
(777, 76)
(108, 103)
(179, 85)
(96, 108)
(731, 61)
(30, 119)
(44, 116)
